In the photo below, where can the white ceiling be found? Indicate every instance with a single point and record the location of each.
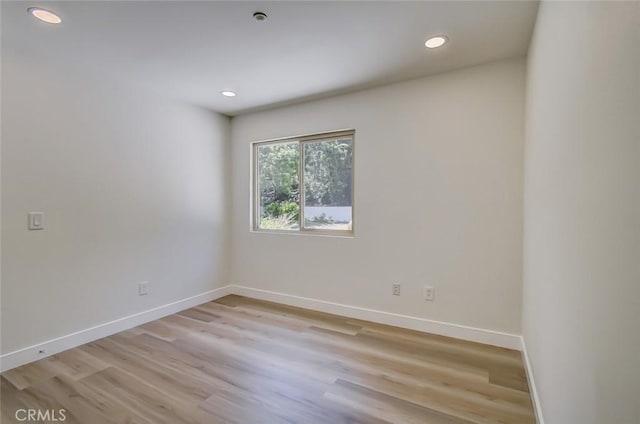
(193, 50)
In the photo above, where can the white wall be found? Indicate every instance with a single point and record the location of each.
(132, 187)
(438, 200)
(582, 216)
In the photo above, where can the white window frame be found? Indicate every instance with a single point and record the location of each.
(301, 140)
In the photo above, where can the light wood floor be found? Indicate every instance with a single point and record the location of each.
(239, 360)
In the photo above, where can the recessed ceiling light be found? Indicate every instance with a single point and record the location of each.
(436, 41)
(44, 15)
(228, 93)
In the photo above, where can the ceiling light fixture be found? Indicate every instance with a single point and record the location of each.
(228, 93)
(436, 41)
(44, 15)
(260, 16)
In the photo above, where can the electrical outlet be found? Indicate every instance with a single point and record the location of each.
(429, 293)
(396, 289)
(143, 288)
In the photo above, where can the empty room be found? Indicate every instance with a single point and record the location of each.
(320, 212)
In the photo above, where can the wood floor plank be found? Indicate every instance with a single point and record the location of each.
(11, 403)
(88, 404)
(31, 398)
(199, 314)
(143, 398)
(388, 407)
(241, 360)
(29, 374)
(161, 372)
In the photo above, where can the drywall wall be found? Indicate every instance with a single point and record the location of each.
(133, 188)
(438, 200)
(582, 218)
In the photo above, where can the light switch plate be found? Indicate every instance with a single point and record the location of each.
(429, 293)
(36, 220)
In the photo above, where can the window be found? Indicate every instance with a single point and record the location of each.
(304, 184)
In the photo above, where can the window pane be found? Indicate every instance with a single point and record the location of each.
(327, 184)
(278, 186)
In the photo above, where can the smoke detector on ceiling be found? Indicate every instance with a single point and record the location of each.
(260, 16)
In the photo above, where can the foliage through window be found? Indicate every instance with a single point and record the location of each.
(304, 184)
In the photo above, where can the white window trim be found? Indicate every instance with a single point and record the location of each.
(301, 139)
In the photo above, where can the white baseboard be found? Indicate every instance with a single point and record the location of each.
(532, 384)
(42, 350)
(495, 338)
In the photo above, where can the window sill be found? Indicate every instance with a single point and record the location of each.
(317, 233)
